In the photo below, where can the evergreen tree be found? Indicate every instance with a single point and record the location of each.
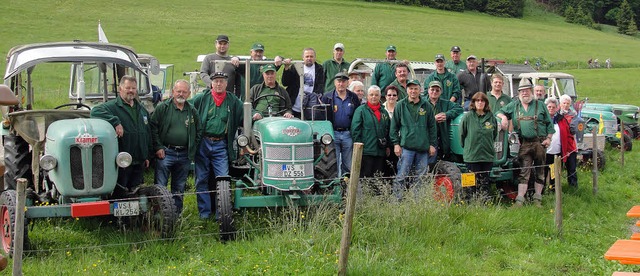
(569, 15)
(625, 18)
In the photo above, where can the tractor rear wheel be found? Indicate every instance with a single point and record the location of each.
(448, 182)
(8, 218)
(17, 161)
(161, 216)
(225, 211)
(327, 168)
(627, 142)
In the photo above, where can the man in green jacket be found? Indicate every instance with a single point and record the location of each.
(449, 81)
(402, 76)
(220, 115)
(444, 111)
(131, 122)
(334, 66)
(273, 99)
(413, 134)
(176, 134)
(455, 65)
(384, 73)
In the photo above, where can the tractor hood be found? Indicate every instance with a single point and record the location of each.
(284, 130)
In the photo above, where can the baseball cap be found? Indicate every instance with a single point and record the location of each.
(471, 57)
(439, 57)
(435, 83)
(222, 38)
(341, 76)
(257, 46)
(218, 75)
(338, 46)
(455, 49)
(391, 48)
(416, 82)
(267, 67)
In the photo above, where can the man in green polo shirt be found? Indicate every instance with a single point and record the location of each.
(455, 65)
(497, 99)
(220, 115)
(334, 66)
(384, 73)
(272, 99)
(176, 134)
(532, 122)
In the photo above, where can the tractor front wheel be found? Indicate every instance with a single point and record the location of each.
(225, 210)
(8, 218)
(448, 182)
(161, 216)
(326, 170)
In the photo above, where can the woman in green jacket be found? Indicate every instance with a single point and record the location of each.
(370, 126)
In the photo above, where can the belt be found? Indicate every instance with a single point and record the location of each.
(213, 138)
(534, 139)
(176, 148)
(341, 129)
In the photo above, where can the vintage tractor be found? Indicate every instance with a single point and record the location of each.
(70, 160)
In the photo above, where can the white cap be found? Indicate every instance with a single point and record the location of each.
(338, 46)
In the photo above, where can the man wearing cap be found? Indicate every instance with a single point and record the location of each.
(176, 134)
(497, 99)
(313, 83)
(220, 115)
(384, 72)
(532, 122)
(454, 65)
(444, 111)
(335, 65)
(343, 104)
(402, 76)
(257, 54)
(413, 134)
(472, 81)
(273, 98)
(208, 66)
(448, 80)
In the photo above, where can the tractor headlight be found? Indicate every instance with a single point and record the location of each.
(123, 159)
(242, 140)
(513, 138)
(326, 139)
(48, 162)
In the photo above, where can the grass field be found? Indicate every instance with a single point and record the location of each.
(420, 237)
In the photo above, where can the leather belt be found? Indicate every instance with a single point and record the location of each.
(341, 129)
(213, 138)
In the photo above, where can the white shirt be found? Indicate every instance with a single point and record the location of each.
(554, 146)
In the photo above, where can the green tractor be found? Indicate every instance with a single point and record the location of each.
(70, 160)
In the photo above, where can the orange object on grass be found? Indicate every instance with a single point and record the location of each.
(624, 250)
(634, 212)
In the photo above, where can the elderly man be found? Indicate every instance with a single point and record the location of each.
(131, 122)
(454, 65)
(540, 92)
(220, 115)
(334, 66)
(272, 98)
(343, 104)
(384, 73)
(497, 99)
(257, 54)
(444, 111)
(313, 83)
(402, 75)
(176, 134)
(449, 81)
(208, 66)
(413, 134)
(534, 126)
(472, 81)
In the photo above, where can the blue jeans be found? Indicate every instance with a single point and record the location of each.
(177, 164)
(212, 155)
(411, 163)
(344, 149)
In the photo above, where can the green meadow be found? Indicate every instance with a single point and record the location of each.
(419, 236)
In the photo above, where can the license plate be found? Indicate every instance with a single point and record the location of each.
(126, 208)
(468, 179)
(292, 170)
(497, 146)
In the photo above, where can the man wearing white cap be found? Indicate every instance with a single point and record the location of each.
(334, 66)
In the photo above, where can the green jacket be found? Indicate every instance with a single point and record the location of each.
(366, 129)
(531, 123)
(452, 110)
(402, 91)
(383, 74)
(201, 103)
(136, 139)
(478, 135)
(413, 131)
(331, 68)
(450, 85)
(159, 130)
(256, 91)
(455, 68)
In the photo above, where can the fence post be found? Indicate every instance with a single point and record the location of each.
(351, 204)
(623, 146)
(557, 164)
(18, 231)
(594, 158)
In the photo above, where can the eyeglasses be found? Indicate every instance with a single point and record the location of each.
(391, 95)
(477, 101)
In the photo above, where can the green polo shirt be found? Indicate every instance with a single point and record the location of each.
(498, 103)
(217, 117)
(177, 133)
(455, 68)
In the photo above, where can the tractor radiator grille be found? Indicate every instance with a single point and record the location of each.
(278, 153)
(300, 154)
(75, 161)
(97, 163)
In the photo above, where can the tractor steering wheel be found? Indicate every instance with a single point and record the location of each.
(280, 106)
(77, 105)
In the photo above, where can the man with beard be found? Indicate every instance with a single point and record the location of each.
(533, 124)
(175, 131)
(131, 122)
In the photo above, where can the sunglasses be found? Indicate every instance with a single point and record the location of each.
(391, 95)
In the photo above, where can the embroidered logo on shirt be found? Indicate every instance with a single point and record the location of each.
(449, 83)
(488, 125)
(144, 118)
(421, 112)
